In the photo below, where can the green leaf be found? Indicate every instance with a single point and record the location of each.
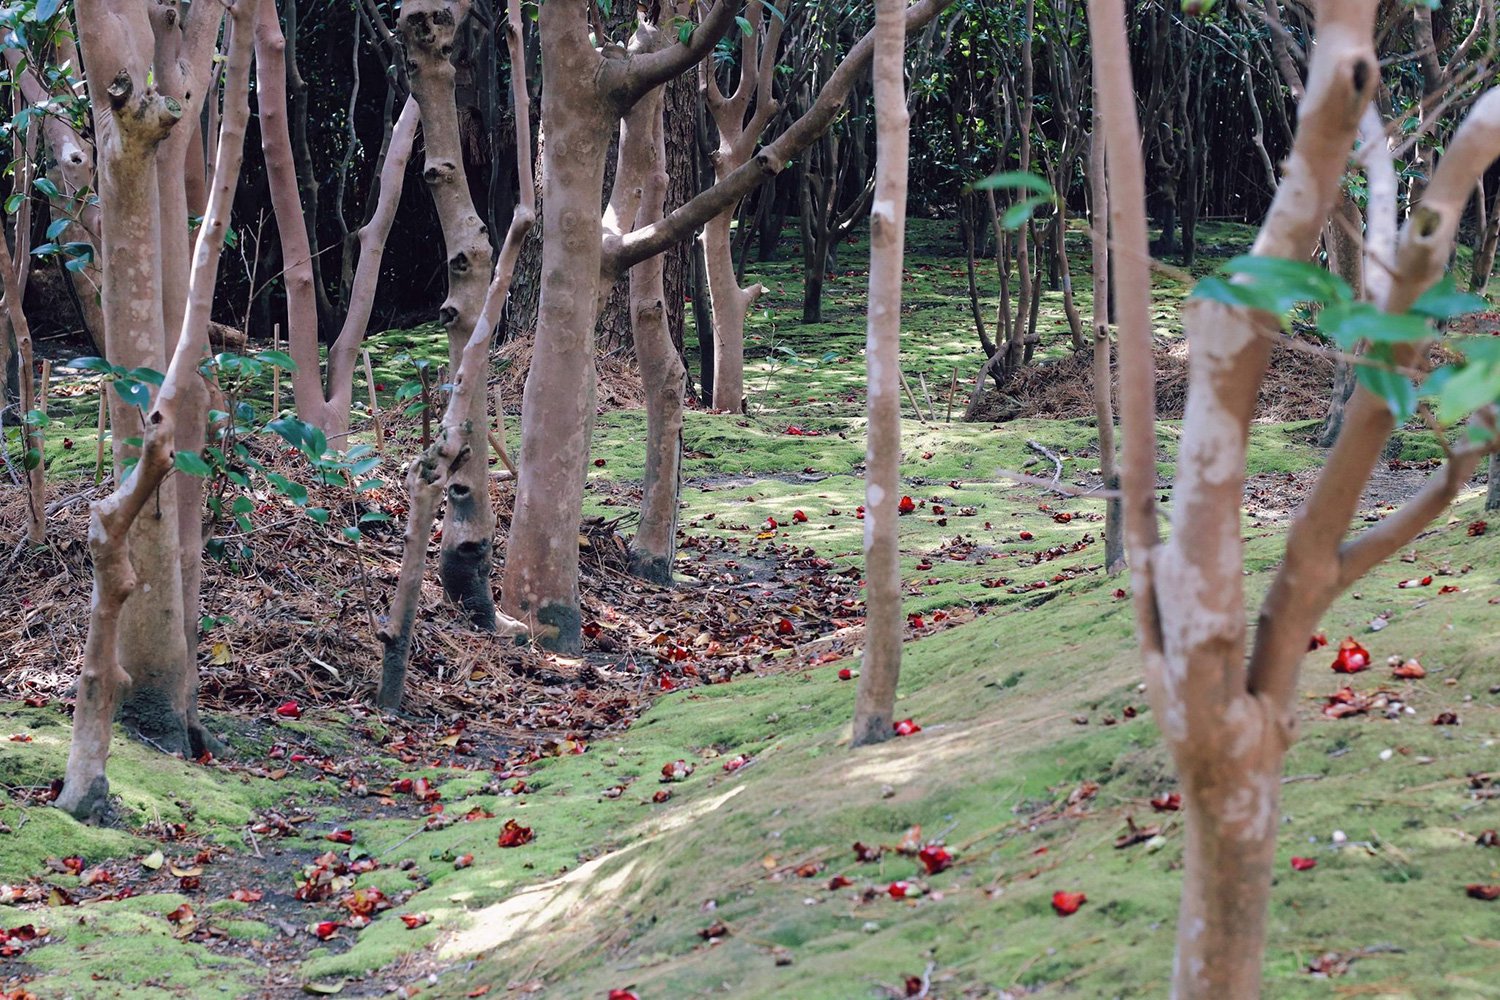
(1445, 301)
(149, 375)
(291, 429)
(280, 359)
(57, 227)
(745, 27)
(77, 264)
(1015, 180)
(46, 10)
(13, 203)
(373, 515)
(134, 393)
(37, 418)
(352, 533)
(685, 32)
(46, 186)
(1018, 214)
(1290, 281)
(1349, 323)
(1396, 389)
(295, 492)
(364, 465)
(369, 484)
(1466, 391)
(192, 464)
(242, 505)
(319, 514)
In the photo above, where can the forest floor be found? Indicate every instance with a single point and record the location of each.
(336, 852)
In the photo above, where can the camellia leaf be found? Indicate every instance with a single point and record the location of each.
(1393, 387)
(1015, 180)
(1350, 323)
(134, 393)
(191, 463)
(1445, 301)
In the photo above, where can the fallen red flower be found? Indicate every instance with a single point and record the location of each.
(622, 995)
(798, 517)
(1317, 642)
(1304, 864)
(866, 852)
(935, 859)
(736, 762)
(513, 834)
(899, 889)
(289, 710)
(326, 929)
(1410, 670)
(907, 505)
(839, 882)
(665, 682)
(1351, 658)
(785, 627)
(907, 727)
(340, 836)
(1488, 893)
(846, 674)
(1067, 903)
(1448, 588)
(1170, 802)
(1026, 536)
(915, 621)
(415, 920)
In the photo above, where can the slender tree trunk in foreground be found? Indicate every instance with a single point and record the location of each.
(434, 470)
(1104, 405)
(1346, 247)
(429, 28)
(1227, 720)
(875, 697)
(85, 791)
(1492, 494)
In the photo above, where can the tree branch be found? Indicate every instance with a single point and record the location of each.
(771, 160)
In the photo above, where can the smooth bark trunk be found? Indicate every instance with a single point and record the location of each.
(875, 696)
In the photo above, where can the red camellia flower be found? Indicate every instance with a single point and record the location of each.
(513, 834)
(415, 920)
(785, 627)
(289, 710)
(1067, 903)
(846, 674)
(907, 727)
(622, 995)
(341, 836)
(1026, 536)
(1170, 802)
(839, 882)
(1351, 658)
(326, 929)
(798, 517)
(665, 683)
(1317, 642)
(899, 889)
(915, 621)
(1304, 864)
(935, 858)
(907, 505)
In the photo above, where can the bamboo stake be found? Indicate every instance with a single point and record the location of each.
(909, 395)
(276, 373)
(374, 404)
(99, 442)
(952, 391)
(497, 436)
(926, 394)
(41, 395)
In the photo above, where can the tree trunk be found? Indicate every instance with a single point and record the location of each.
(1104, 406)
(875, 697)
(434, 470)
(141, 118)
(557, 417)
(428, 27)
(1492, 495)
(1484, 254)
(643, 165)
(1346, 248)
